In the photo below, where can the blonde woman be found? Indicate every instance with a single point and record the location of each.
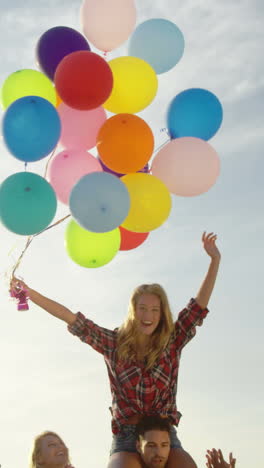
(49, 451)
(142, 358)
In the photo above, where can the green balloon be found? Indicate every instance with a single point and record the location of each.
(27, 203)
(27, 82)
(90, 249)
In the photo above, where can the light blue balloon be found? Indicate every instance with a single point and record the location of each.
(31, 128)
(99, 202)
(27, 203)
(159, 42)
(194, 112)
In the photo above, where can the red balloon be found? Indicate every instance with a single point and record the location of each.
(130, 240)
(83, 80)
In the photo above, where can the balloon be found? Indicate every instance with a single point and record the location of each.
(135, 85)
(145, 169)
(99, 202)
(80, 128)
(27, 203)
(130, 240)
(125, 143)
(27, 83)
(194, 112)
(67, 167)
(159, 42)
(55, 44)
(88, 249)
(83, 80)
(150, 202)
(31, 128)
(58, 100)
(188, 166)
(108, 24)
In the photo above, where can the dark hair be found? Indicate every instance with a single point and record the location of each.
(152, 423)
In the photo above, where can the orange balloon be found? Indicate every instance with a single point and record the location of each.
(58, 100)
(125, 143)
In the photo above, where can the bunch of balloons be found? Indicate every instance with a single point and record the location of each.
(118, 197)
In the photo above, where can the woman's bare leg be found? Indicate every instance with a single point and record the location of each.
(124, 460)
(178, 458)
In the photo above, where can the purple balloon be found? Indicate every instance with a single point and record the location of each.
(55, 44)
(145, 169)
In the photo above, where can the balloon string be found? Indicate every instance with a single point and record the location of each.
(47, 165)
(30, 239)
(158, 148)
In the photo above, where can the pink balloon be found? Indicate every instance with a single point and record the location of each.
(108, 24)
(67, 167)
(188, 166)
(80, 127)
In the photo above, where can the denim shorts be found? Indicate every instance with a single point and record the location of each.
(125, 440)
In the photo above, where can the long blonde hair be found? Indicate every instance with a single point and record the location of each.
(37, 447)
(127, 333)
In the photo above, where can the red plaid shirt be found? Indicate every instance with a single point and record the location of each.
(135, 390)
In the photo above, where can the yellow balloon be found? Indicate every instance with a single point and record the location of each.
(135, 85)
(150, 202)
(90, 249)
(27, 82)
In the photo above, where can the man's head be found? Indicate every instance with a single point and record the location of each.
(153, 441)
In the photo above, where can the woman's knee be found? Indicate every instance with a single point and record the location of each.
(124, 460)
(178, 458)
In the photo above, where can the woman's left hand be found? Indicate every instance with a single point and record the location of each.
(209, 245)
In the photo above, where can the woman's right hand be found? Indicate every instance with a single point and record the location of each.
(17, 284)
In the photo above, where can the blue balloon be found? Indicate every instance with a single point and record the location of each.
(99, 202)
(194, 112)
(31, 128)
(159, 42)
(27, 203)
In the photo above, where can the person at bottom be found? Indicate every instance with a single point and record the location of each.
(49, 451)
(154, 438)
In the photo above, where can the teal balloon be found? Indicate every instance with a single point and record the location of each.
(159, 42)
(27, 203)
(31, 128)
(99, 202)
(194, 112)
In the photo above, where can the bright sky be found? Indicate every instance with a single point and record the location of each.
(50, 380)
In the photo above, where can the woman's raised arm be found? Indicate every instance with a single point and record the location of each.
(54, 308)
(207, 286)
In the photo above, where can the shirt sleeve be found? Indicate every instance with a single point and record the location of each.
(99, 338)
(188, 319)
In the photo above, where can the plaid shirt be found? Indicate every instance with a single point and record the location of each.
(135, 390)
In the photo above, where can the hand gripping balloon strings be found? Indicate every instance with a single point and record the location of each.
(18, 292)
(21, 295)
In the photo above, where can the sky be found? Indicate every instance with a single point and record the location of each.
(50, 380)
